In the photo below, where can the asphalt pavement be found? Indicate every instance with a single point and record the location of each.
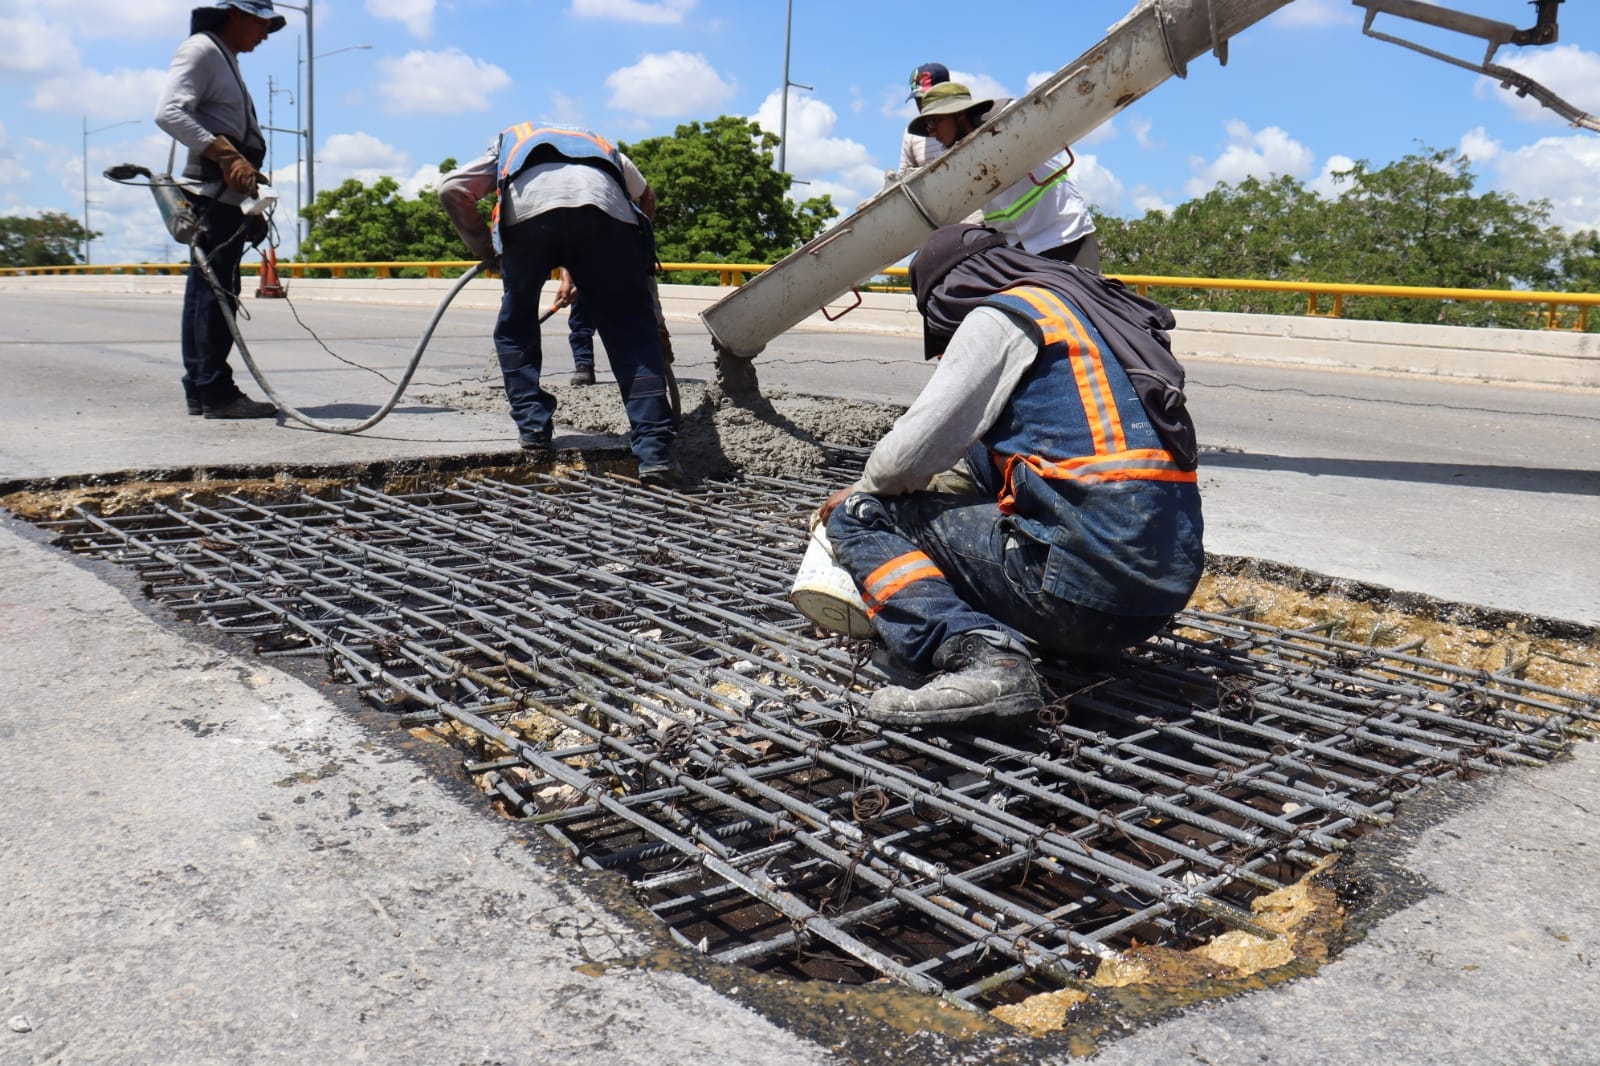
(210, 860)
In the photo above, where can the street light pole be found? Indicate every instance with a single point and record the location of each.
(88, 237)
(783, 106)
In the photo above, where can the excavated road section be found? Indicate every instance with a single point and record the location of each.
(622, 667)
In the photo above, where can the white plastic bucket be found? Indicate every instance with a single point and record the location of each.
(825, 593)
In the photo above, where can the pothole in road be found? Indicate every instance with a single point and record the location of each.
(621, 669)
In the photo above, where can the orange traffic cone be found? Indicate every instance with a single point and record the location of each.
(269, 286)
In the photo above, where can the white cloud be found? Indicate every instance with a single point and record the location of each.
(1566, 70)
(1324, 184)
(842, 168)
(358, 155)
(655, 12)
(1146, 200)
(812, 148)
(119, 94)
(1101, 188)
(167, 19)
(13, 172)
(1316, 14)
(125, 215)
(439, 83)
(415, 15)
(983, 87)
(425, 176)
(34, 46)
(1563, 170)
(1259, 155)
(669, 85)
(1479, 147)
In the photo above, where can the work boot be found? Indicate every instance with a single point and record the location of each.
(584, 375)
(977, 679)
(194, 406)
(242, 406)
(658, 477)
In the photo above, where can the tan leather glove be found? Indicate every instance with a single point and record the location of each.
(237, 172)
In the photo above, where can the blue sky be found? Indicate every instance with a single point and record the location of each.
(403, 84)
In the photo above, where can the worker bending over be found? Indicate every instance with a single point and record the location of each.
(1082, 535)
(567, 199)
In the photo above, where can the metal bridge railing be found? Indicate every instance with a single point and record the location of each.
(1324, 299)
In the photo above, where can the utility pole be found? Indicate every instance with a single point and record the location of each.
(88, 237)
(783, 105)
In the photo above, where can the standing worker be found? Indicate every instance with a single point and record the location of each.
(1044, 213)
(566, 199)
(920, 149)
(206, 108)
(1083, 534)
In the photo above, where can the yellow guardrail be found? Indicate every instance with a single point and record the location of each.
(1315, 292)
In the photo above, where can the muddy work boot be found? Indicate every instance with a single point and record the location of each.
(977, 679)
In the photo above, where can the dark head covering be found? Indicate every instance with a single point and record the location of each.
(959, 267)
(211, 18)
(926, 77)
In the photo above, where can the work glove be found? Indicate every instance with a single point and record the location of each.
(237, 173)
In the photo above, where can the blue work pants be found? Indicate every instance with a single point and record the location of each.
(610, 263)
(580, 335)
(992, 578)
(206, 338)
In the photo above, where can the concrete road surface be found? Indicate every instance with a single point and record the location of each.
(207, 860)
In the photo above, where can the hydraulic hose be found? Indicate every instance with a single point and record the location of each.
(289, 409)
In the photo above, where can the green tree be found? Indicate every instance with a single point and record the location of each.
(1413, 222)
(719, 198)
(374, 223)
(1418, 222)
(51, 239)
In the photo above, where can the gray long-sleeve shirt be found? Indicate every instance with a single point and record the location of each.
(205, 98)
(981, 367)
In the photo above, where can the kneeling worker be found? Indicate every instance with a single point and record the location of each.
(566, 199)
(1083, 536)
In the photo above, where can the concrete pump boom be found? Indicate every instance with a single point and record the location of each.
(1153, 42)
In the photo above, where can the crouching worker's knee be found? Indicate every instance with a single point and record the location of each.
(860, 512)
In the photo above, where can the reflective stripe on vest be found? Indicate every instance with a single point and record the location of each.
(579, 145)
(1012, 212)
(1113, 460)
(894, 575)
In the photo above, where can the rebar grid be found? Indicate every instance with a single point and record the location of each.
(622, 667)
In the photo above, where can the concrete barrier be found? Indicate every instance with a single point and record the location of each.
(1546, 357)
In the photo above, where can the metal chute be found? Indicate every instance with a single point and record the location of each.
(1493, 34)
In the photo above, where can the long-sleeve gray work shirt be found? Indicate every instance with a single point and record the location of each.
(205, 98)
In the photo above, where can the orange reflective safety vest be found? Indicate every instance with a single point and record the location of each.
(1081, 470)
(525, 144)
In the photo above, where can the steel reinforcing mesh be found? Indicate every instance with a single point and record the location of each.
(622, 667)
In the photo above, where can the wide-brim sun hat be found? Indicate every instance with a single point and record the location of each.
(259, 8)
(951, 98)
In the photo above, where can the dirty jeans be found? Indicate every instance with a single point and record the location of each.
(993, 580)
(609, 262)
(206, 339)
